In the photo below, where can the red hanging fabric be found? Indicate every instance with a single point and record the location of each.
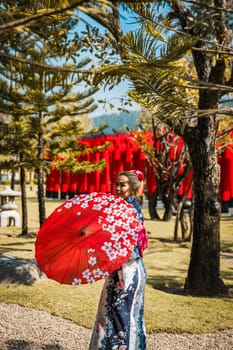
(105, 185)
(139, 160)
(65, 184)
(226, 182)
(185, 188)
(150, 179)
(73, 188)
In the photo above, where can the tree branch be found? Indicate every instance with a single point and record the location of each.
(22, 21)
(64, 69)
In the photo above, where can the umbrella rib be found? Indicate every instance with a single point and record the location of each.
(49, 257)
(70, 260)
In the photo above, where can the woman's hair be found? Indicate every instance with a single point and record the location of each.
(136, 178)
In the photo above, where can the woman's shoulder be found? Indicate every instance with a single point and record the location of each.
(132, 200)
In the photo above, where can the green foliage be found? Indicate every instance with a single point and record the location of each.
(43, 108)
(166, 55)
(165, 62)
(39, 66)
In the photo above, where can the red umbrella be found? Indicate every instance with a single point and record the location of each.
(86, 238)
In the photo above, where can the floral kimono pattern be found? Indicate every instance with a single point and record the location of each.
(119, 322)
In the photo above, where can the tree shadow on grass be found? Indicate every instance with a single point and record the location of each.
(227, 218)
(226, 247)
(8, 247)
(167, 284)
(170, 285)
(15, 344)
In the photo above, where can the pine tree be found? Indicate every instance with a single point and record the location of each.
(37, 95)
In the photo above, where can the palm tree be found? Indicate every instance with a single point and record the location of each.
(180, 67)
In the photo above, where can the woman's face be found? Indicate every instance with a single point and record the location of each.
(122, 187)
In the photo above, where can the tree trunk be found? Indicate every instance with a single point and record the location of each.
(40, 177)
(204, 272)
(152, 203)
(168, 205)
(13, 180)
(23, 202)
(41, 199)
(186, 225)
(178, 219)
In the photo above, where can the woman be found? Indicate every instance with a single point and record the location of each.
(120, 322)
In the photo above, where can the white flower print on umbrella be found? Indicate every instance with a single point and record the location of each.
(87, 238)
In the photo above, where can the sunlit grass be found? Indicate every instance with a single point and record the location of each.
(166, 309)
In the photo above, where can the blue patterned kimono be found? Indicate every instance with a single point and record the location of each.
(119, 322)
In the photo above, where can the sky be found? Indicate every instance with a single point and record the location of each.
(114, 98)
(115, 95)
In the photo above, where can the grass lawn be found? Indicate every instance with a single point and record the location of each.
(166, 309)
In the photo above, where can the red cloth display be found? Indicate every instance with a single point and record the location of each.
(73, 188)
(226, 182)
(105, 180)
(125, 154)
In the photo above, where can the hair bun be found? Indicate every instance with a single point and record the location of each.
(139, 174)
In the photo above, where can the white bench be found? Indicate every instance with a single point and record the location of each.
(6, 217)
